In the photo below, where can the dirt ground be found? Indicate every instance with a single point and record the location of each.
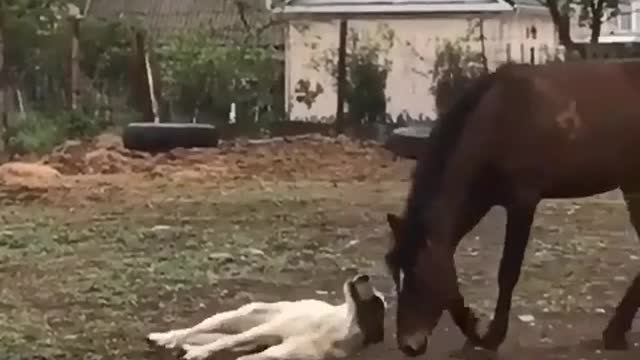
(99, 246)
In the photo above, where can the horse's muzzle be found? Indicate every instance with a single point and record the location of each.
(414, 345)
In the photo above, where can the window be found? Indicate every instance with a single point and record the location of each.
(624, 22)
(508, 51)
(532, 55)
(534, 32)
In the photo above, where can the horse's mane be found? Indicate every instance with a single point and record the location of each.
(430, 167)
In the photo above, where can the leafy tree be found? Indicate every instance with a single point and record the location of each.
(455, 67)
(35, 61)
(33, 50)
(591, 13)
(367, 68)
(366, 85)
(105, 53)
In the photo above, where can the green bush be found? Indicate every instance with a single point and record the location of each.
(105, 53)
(79, 124)
(39, 132)
(202, 76)
(366, 85)
(34, 134)
(455, 66)
(367, 69)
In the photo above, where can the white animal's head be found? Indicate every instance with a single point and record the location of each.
(369, 305)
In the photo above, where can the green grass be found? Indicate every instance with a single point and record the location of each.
(90, 281)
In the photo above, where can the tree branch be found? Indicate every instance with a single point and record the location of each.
(597, 7)
(241, 6)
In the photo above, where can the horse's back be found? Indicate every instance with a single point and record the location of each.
(570, 128)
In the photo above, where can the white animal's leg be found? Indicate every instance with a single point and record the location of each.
(208, 338)
(285, 351)
(257, 335)
(177, 337)
(204, 338)
(233, 321)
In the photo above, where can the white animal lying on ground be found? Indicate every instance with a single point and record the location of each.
(290, 330)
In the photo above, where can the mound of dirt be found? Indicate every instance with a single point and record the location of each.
(310, 157)
(103, 161)
(104, 155)
(29, 175)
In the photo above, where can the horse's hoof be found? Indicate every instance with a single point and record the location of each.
(615, 342)
(490, 345)
(494, 338)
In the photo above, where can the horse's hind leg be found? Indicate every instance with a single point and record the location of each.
(614, 336)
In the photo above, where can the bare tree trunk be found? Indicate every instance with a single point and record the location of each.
(561, 19)
(483, 49)
(341, 76)
(74, 68)
(596, 8)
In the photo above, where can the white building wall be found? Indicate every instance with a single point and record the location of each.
(412, 55)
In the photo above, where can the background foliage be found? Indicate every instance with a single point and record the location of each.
(201, 77)
(455, 66)
(367, 69)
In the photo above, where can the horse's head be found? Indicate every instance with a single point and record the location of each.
(369, 307)
(426, 283)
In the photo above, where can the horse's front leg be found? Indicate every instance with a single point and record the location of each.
(462, 315)
(520, 217)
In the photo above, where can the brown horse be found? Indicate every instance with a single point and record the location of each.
(516, 136)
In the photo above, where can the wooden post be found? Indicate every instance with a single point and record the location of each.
(152, 92)
(143, 81)
(341, 76)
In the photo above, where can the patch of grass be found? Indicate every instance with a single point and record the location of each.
(89, 284)
(35, 133)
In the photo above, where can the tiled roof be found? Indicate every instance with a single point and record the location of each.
(395, 6)
(400, 3)
(224, 17)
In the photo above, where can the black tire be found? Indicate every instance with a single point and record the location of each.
(161, 137)
(408, 142)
